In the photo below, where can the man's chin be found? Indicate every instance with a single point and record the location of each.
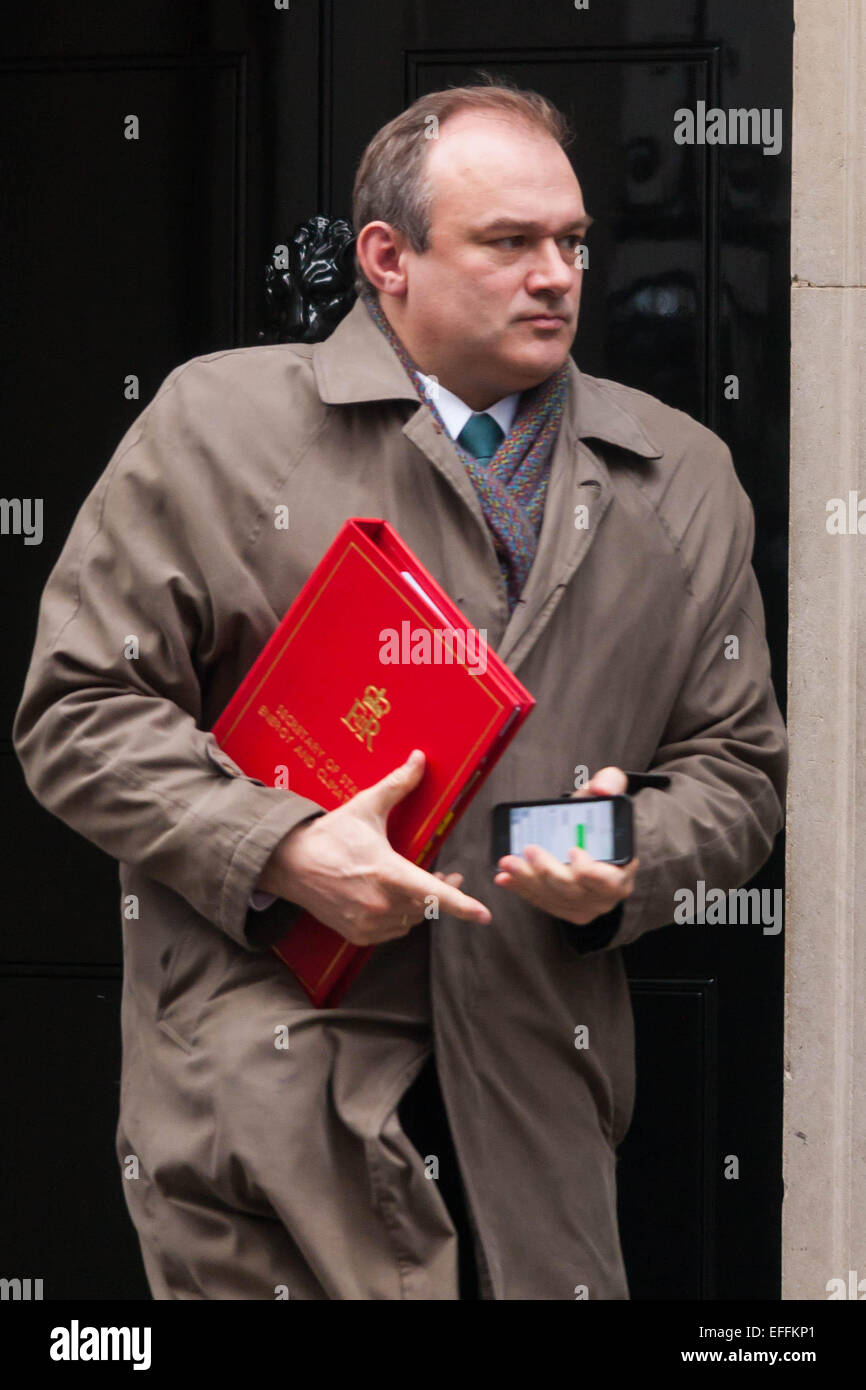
(535, 366)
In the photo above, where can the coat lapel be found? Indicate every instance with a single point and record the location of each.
(578, 479)
(357, 363)
(579, 493)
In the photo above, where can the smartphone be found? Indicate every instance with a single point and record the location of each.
(602, 825)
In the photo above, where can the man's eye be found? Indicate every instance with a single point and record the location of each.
(504, 240)
(573, 241)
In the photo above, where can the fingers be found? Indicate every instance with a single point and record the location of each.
(536, 861)
(418, 883)
(399, 782)
(538, 870)
(400, 922)
(453, 878)
(597, 875)
(608, 781)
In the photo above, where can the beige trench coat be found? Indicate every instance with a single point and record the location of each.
(266, 1170)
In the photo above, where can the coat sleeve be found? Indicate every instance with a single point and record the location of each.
(724, 746)
(108, 726)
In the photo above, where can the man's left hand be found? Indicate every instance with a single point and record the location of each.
(580, 890)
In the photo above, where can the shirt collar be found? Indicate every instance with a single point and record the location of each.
(357, 363)
(456, 412)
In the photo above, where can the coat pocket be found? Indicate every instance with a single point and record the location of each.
(199, 964)
(176, 1008)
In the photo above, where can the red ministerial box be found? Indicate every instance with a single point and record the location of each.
(370, 661)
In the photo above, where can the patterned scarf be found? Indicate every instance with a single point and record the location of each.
(512, 485)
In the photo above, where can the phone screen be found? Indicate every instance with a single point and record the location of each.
(588, 824)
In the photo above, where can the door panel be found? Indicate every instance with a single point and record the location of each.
(125, 258)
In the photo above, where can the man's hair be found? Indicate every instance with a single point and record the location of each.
(391, 184)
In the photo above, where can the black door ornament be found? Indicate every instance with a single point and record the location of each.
(306, 300)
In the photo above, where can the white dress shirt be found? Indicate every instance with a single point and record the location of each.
(454, 414)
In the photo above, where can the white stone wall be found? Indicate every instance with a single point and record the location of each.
(824, 1212)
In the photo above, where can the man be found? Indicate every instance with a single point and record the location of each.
(603, 542)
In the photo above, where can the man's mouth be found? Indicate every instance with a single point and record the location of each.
(545, 320)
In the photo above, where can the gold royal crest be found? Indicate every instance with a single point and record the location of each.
(366, 713)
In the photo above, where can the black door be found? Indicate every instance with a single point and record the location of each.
(153, 156)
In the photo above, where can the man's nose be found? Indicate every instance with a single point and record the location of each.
(551, 270)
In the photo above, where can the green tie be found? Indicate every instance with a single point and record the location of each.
(481, 436)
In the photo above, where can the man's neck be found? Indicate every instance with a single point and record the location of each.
(477, 396)
(476, 400)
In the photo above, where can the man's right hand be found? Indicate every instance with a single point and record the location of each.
(341, 868)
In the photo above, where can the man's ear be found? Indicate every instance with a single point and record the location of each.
(380, 250)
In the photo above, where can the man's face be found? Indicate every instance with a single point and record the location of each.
(491, 307)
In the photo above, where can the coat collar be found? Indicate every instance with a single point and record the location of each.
(357, 363)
